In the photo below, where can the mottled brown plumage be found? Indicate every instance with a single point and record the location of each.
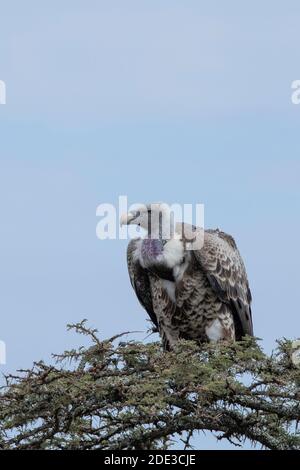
(201, 295)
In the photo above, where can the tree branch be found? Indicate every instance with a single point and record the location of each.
(135, 396)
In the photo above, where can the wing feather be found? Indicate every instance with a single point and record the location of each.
(225, 270)
(140, 281)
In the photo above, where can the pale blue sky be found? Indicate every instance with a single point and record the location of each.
(160, 100)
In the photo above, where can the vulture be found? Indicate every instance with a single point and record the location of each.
(198, 293)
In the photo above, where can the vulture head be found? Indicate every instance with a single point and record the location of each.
(155, 218)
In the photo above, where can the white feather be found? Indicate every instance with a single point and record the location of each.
(173, 252)
(179, 270)
(215, 331)
(169, 286)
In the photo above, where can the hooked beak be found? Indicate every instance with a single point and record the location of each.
(126, 219)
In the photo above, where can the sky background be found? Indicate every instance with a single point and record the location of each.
(177, 101)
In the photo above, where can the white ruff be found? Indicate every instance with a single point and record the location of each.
(172, 256)
(173, 253)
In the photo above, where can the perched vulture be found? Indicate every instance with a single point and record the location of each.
(196, 294)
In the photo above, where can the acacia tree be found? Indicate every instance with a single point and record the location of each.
(130, 395)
